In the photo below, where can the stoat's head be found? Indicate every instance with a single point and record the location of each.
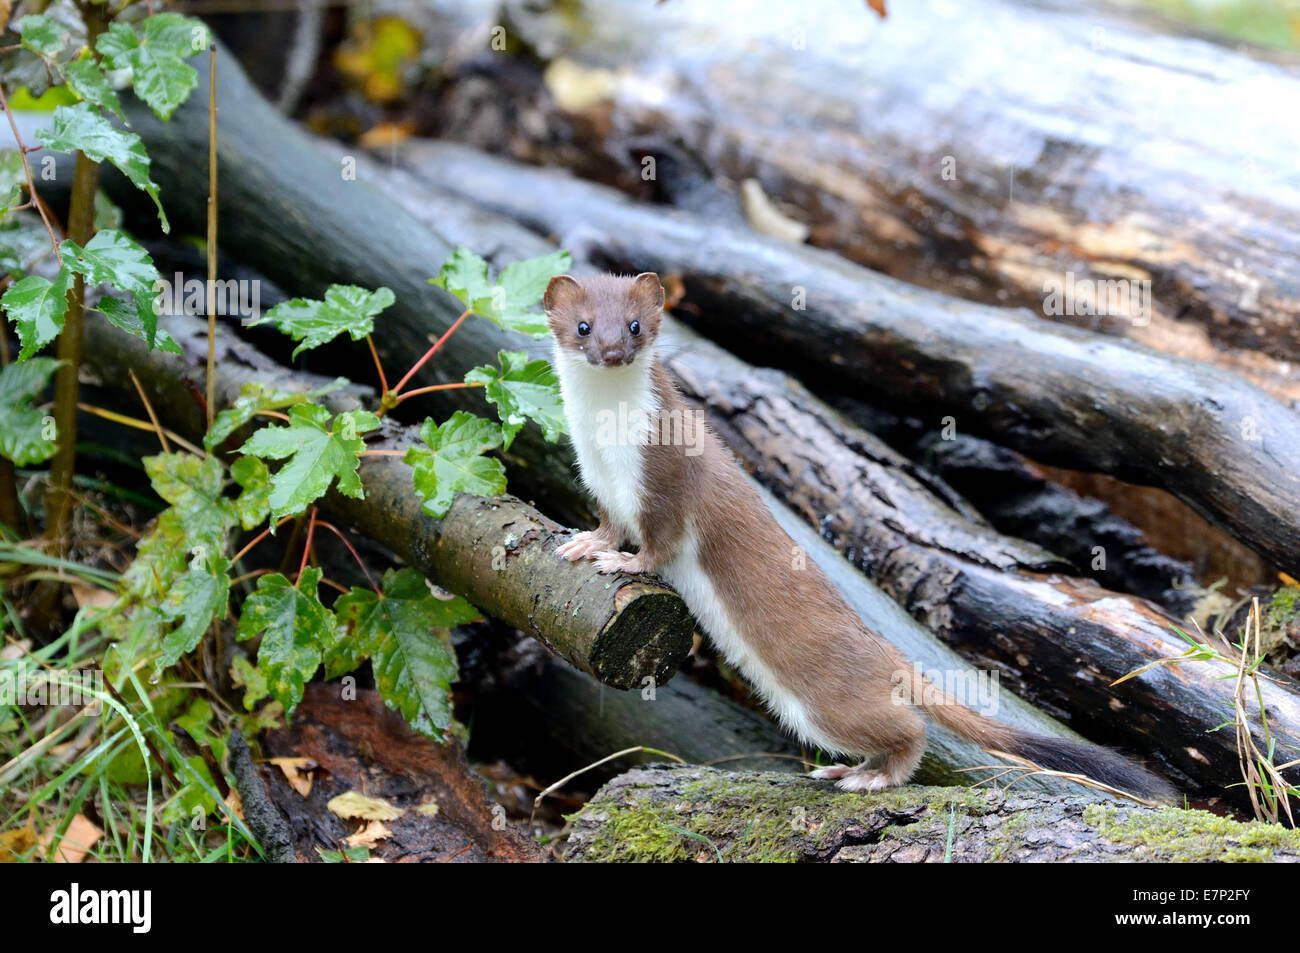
(607, 319)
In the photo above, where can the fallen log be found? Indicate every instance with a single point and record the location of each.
(1082, 144)
(670, 813)
(498, 553)
(1062, 395)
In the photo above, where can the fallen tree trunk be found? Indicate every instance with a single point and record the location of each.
(1081, 141)
(498, 553)
(1062, 395)
(666, 813)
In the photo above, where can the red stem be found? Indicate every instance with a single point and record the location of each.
(383, 381)
(355, 555)
(432, 351)
(426, 390)
(306, 549)
(257, 539)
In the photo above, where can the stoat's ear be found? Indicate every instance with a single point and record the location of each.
(561, 292)
(648, 291)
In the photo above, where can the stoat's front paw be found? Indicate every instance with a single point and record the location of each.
(609, 561)
(587, 543)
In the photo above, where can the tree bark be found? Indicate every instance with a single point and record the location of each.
(1081, 140)
(669, 813)
(1061, 395)
(498, 553)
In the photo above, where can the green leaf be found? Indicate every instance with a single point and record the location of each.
(193, 486)
(253, 503)
(522, 390)
(452, 461)
(126, 316)
(13, 177)
(89, 82)
(199, 598)
(114, 258)
(344, 308)
(403, 632)
(318, 452)
(253, 399)
(244, 675)
(293, 624)
(22, 427)
(37, 306)
(42, 35)
(513, 300)
(160, 75)
(465, 275)
(82, 127)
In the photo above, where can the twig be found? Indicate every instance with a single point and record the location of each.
(596, 764)
(212, 230)
(137, 424)
(148, 407)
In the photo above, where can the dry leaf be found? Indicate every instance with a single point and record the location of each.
(369, 836)
(92, 596)
(235, 803)
(76, 843)
(354, 805)
(878, 6)
(387, 134)
(13, 844)
(298, 772)
(429, 808)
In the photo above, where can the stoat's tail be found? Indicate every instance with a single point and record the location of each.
(1056, 754)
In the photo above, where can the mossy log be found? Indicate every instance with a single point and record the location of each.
(1081, 139)
(499, 553)
(671, 813)
(1062, 395)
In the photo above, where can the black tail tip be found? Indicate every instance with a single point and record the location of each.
(1100, 764)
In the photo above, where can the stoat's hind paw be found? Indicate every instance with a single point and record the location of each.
(583, 544)
(609, 561)
(860, 778)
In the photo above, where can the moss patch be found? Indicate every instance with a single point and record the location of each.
(1191, 836)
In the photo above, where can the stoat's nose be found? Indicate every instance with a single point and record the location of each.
(613, 355)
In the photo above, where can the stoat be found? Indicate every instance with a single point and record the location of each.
(665, 482)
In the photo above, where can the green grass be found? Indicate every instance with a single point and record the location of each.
(1267, 22)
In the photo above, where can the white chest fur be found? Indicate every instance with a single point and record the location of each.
(609, 410)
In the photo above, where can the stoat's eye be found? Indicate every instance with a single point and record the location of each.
(635, 328)
(583, 329)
